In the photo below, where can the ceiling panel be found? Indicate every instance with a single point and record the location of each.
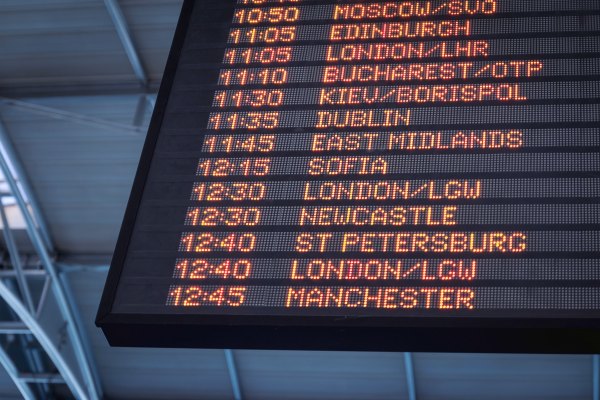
(82, 175)
(322, 375)
(51, 41)
(503, 376)
(62, 44)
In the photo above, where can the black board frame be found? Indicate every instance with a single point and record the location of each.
(439, 334)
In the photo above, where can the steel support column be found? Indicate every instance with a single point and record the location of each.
(596, 376)
(80, 327)
(233, 375)
(410, 376)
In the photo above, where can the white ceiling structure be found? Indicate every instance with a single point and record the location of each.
(78, 79)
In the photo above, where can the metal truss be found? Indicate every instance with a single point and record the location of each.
(20, 298)
(34, 355)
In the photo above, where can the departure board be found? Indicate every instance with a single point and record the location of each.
(392, 175)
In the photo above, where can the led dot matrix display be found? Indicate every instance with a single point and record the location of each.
(320, 171)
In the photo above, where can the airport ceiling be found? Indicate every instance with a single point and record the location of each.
(75, 100)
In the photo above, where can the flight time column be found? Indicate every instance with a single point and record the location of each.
(225, 180)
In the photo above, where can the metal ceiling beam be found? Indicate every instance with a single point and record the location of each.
(27, 272)
(122, 28)
(410, 376)
(41, 378)
(69, 116)
(14, 328)
(596, 376)
(233, 375)
(100, 88)
(67, 268)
